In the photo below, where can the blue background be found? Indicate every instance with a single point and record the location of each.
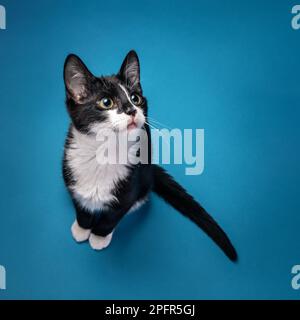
(231, 68)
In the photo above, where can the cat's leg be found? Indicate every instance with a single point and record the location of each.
(102, 231)
(81, 227)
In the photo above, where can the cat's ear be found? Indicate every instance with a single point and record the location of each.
(130, 70)
(77, 78)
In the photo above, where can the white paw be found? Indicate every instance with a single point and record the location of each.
(78, 233)
(99, 243)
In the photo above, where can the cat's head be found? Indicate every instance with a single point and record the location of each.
(114, 102)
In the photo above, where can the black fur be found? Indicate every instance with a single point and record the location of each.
(143, 178)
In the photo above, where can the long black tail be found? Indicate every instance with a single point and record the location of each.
(167, 188)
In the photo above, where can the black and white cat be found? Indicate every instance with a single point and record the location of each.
(103, 193)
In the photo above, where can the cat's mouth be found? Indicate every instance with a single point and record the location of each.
(129, 123)
(132, 125)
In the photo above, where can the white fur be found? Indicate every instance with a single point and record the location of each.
(79, 234)
(99, 243)
(94, 182)
(120, 121)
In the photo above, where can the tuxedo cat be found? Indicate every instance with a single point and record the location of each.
(103, 193)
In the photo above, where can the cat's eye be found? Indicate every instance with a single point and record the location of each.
(136, 99)
(105, 103)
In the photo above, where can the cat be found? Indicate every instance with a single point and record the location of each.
(104, 193)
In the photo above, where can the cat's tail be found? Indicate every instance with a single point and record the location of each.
(167, 188)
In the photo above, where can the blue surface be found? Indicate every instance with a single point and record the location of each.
(231, 68)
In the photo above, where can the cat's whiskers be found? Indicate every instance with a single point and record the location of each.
(158, 123)
(151, 125)
(154, 124)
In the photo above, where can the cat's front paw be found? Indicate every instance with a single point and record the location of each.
(78, 233)
(99, 243)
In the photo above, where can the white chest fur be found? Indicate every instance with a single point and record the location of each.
(94, 182)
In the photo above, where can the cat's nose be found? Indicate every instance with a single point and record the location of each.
(131, 112)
